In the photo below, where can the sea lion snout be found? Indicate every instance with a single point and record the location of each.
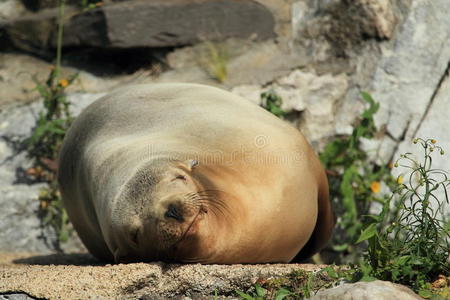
(174, 213)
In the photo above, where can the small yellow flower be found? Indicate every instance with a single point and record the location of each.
(400, 179)
(434, 141)
(375, 187)
(43, 205)
(63, 82)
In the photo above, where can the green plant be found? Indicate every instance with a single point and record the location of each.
(409, 242)
(215, 61)
(298, 284)
(261, 294)
(90, 4)
(272, 103)
(354, 183)
(45, 141)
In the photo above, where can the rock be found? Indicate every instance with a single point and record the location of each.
(249, 92)
(375, 290)
(52, 277)
(379, 150)
(317, 96)
(15, 296)
(36, 5)
(247, 63)
(17, 85)
(407, 76)
(10, 9)
(314, 95)
(144, 24)
(268, 61)
(338, 28)
(435, 125)
(281, 10)
(20, 226)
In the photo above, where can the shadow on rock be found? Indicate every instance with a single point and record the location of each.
(77, 259)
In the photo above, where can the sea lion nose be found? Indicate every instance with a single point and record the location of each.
(174, 213)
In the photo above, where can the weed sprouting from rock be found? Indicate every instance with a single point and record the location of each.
(271, 101)
(46, 139)
(355, 184)
(409, 242)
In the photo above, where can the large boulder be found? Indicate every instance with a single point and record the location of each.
(144, 24)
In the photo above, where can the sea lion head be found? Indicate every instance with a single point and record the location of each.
(165, 213)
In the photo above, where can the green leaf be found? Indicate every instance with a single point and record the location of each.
(377, 219)
(281, 294)
(340, 248)
(245, 296)
(346, 188)
(331, 272)
(425, 294)
(402, 260)
(260, 292)
(56, 130)
(367, 233)
(373, 108)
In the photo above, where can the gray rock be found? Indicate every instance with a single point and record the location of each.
(314, 95)
(375, 290)
(18, 87)
(10, 9)
(145, 24)
(435, 125)
(269, 60)
(337, 29)
(20, 226)
(79, 101)
(408, 75)
(16, 296)
(249, 92)
(247, 62)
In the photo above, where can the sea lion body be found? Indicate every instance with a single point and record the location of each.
(191, 173)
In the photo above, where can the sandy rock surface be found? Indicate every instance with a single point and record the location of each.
(80, 276)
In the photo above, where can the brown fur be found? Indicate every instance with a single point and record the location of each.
(134, 191)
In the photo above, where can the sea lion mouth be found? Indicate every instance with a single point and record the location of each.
(186, 232)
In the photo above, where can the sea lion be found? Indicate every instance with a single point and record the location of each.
(191, 173)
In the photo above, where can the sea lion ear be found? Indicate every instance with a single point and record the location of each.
(191, 164)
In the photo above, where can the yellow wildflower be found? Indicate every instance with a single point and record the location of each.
(375, 187)
(63, 82)
(400, 179)
(434, 141)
